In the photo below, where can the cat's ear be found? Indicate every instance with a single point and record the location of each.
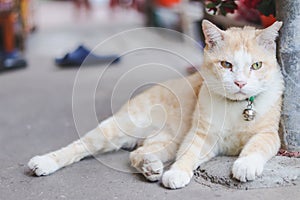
(213, 35)
(267, 36)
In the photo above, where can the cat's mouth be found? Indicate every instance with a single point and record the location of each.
(238, 96)
(240, 93)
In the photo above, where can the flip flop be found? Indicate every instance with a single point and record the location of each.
(13, 60)
(84, 56)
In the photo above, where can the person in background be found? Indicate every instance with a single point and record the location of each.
(11, 40)
(82, 5)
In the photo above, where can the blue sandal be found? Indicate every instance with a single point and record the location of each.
(84, 56)
(12, 60)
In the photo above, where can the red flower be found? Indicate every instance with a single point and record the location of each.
(229, 10)
(251, 3)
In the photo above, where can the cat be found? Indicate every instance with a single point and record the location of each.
(190, 120)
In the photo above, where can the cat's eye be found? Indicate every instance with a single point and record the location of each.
(256, 66)
(226, 64)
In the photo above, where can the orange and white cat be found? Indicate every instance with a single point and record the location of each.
(191, 120)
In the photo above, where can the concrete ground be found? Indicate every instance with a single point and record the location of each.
(37, 116)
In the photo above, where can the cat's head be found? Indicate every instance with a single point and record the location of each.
(239, 62)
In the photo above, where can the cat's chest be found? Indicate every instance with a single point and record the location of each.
(225, 121)
(223, 116)
(227, 125)
(228, 118)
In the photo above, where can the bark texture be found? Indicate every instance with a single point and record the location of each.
(288, 11)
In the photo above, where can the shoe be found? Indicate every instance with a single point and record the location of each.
(84, 56)
(12, 60)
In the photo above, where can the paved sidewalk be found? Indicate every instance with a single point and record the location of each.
(36, 110)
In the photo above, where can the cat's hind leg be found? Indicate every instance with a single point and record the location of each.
(106, 137)
(149, 159)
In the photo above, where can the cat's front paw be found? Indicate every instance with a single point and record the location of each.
(176, 179)
(247, 168)
(43, 165)
(152, 167)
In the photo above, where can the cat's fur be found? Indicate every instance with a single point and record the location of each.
(194, 119)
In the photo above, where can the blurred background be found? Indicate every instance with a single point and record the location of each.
(66, 24)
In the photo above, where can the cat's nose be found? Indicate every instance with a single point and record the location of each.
(240, 84)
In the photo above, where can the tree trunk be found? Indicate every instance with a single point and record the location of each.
(288, 11)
